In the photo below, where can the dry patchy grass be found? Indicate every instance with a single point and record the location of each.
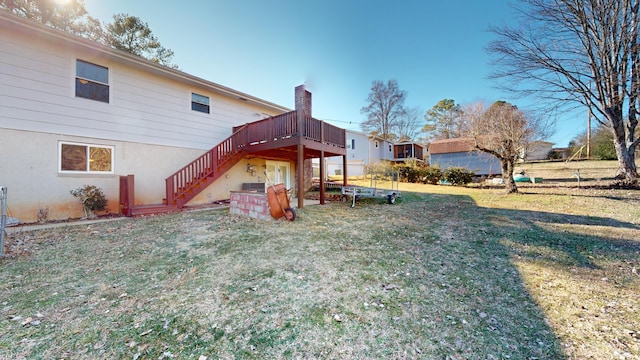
(446, 273)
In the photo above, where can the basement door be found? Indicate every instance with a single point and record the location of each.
(279, 172)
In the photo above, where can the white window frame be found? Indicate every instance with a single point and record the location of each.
(88, 146)
(208, 104)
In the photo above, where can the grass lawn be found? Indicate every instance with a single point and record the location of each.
(445, 273)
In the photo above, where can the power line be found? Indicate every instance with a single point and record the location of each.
(340, 121)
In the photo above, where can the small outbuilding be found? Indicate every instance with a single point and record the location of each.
(537, 150)
(460, 152)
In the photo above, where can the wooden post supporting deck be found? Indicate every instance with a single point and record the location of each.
(344, 170)
(300, 177)
(322, 178)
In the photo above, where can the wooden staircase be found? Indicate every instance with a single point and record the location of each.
(188, 182)
(274, 132)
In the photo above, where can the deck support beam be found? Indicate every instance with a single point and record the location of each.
(300, 177)
(344, 170)
(322, 171)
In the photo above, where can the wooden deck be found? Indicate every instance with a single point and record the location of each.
(293, 136)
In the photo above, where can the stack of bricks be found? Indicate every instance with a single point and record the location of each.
(250, 203)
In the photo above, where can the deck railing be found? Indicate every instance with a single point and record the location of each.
(320, 131)
(271, 129)
(180, 185)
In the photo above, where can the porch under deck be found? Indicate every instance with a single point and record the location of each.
(297, 149)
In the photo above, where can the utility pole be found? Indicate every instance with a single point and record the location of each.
(589, 127)
(589, 134)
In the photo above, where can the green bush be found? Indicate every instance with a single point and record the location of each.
(603, 148)
(458, 176)
(556, 155)
(432, 175)
(91, 197)
(414, 174)
(412, 171)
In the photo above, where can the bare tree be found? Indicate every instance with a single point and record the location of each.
(408, 125)
(444, 120)
(574, 53)
(504, 131)
(385, 108)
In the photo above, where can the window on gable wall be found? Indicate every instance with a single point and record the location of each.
(353, 144)
(92, 81)
(200, 103)
(376, 144)
(85, 158)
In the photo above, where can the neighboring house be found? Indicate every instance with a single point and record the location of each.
(407, 150)
(537, 150)
(365, 149)
(154, 139)
(362, 150)
(460, 152)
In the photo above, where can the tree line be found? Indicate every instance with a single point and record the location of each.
(564, 54)
(500, 129)
(125, 32)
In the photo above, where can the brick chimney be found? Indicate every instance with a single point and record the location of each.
(303, 100)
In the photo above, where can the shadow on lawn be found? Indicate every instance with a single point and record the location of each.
(523, 190)
(570, 235)
(495, 235)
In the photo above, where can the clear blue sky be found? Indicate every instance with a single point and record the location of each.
(434, 49)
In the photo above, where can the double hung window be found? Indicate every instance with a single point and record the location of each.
(199, 103)
(92, 81)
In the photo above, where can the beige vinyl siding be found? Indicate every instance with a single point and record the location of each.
(148, 122)
(37, 93)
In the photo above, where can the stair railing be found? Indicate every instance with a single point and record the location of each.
(181, 185)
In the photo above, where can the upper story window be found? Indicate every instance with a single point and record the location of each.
(376, 143)
(353, 144)
(390, 149)
(85, 158)
(199, 103)
(92, 81)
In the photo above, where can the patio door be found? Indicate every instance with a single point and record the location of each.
(279, 172)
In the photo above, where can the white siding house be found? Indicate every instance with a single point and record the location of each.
(362, 150)
(537, 150)
(74, 113)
